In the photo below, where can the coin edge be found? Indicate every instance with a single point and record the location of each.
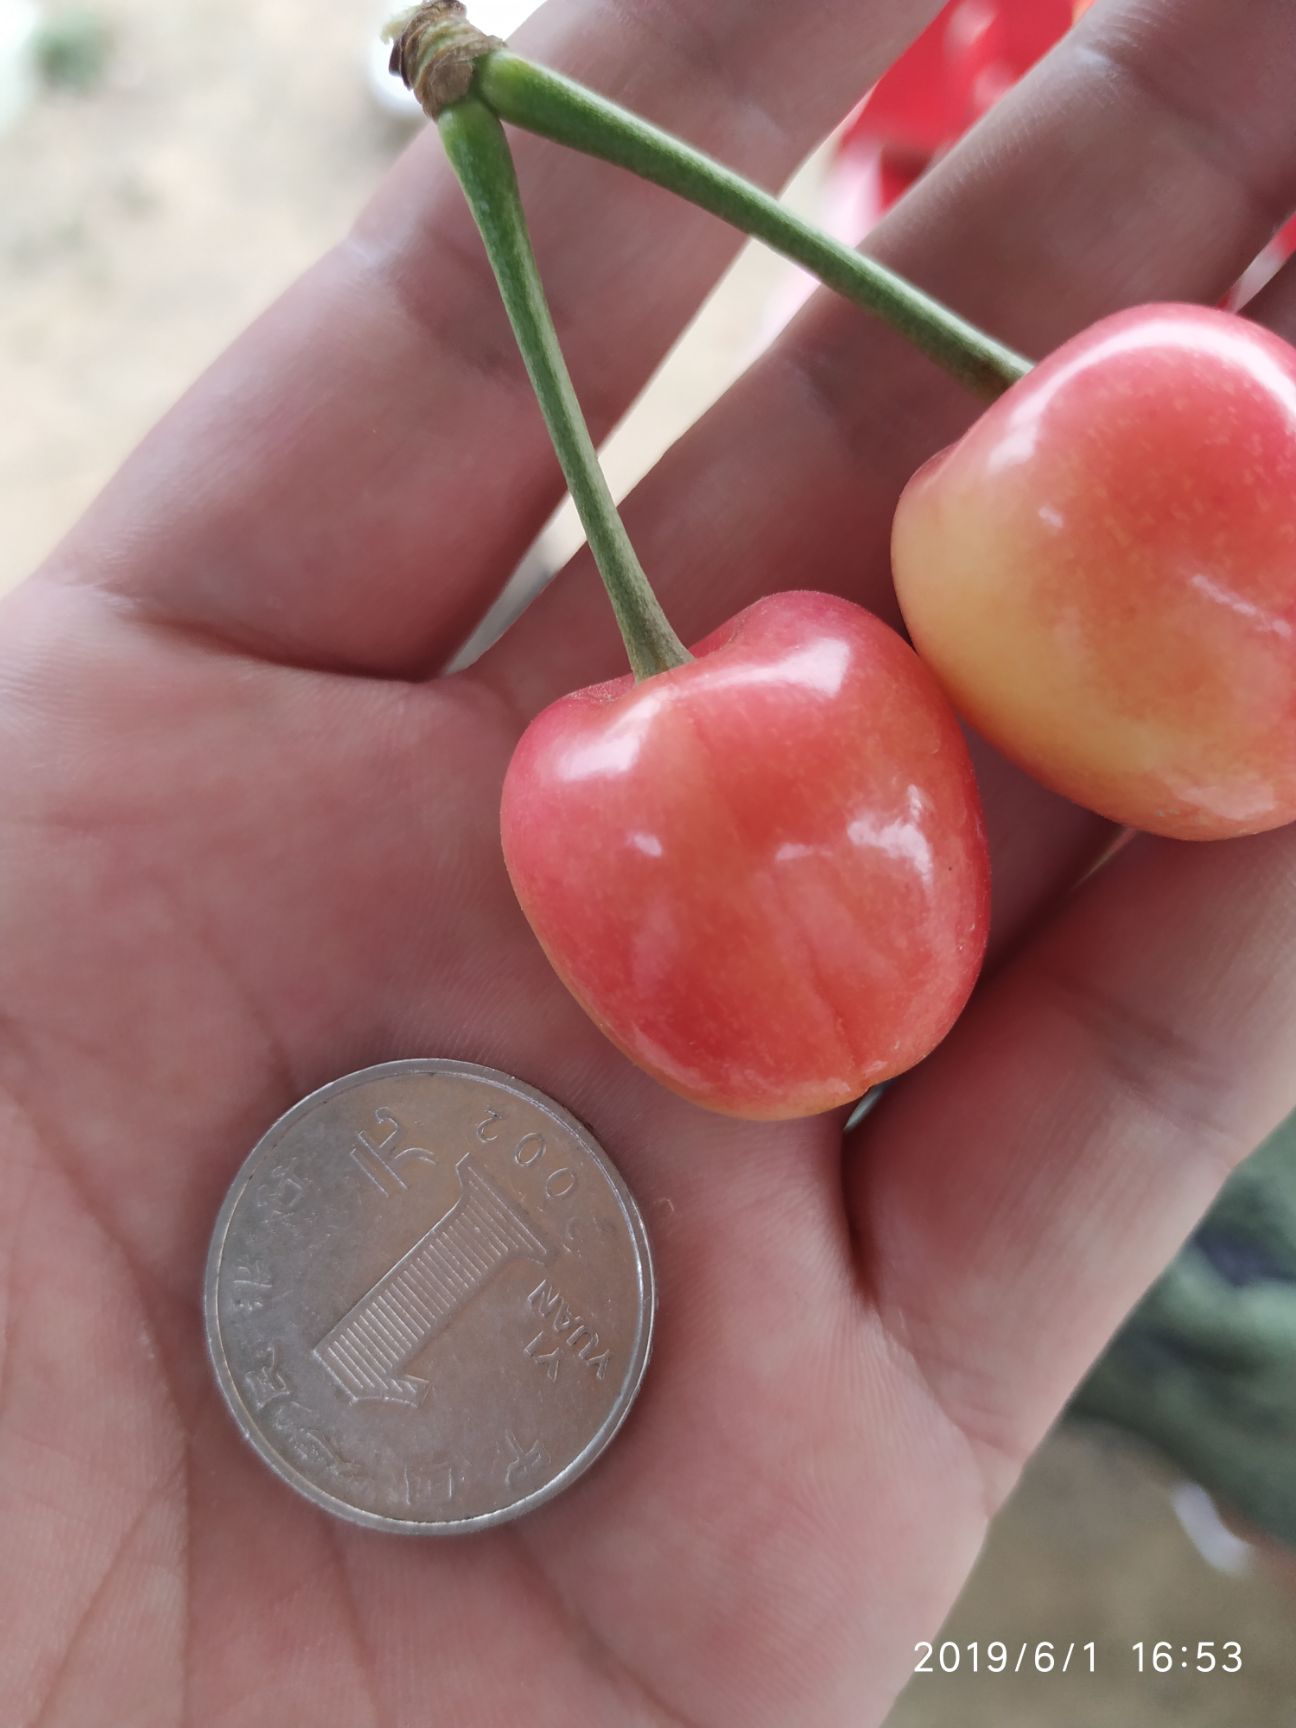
(640, 1354)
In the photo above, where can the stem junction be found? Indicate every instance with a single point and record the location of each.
(442, 58)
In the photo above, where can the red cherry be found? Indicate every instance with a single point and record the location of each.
(1102, 572)
(762, 873)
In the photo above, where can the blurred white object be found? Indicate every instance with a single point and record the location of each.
(495, 17)
(17, 58)
(1208, 1533)
(500, 17)
(389, 93)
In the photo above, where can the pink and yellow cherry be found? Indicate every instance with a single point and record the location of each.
(763, 873)
(761, 870)
(1102, 572)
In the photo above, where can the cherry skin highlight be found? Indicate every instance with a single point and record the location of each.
(1102, 572)
(763, 874)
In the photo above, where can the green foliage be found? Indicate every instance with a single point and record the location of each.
(73, 48)
(1205, 1367)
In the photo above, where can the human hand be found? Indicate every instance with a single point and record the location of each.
(250, 843)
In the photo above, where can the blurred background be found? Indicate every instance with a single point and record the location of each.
(162, 177)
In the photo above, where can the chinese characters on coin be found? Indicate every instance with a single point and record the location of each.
(429, 1297)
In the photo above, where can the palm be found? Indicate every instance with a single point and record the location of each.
(243, 855)
(368, 829)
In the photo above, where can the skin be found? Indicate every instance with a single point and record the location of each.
(247, 845)
(763, 874)
(1102, 572)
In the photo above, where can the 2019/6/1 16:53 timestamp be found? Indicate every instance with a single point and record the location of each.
(1048, 1656)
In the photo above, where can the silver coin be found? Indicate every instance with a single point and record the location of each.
(429, 1298)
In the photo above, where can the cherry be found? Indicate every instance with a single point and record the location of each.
(761, 868)
(1102, 572)
(762, 872)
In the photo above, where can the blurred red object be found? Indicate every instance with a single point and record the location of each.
(953, 74)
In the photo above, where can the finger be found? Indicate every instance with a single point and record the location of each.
(1149, 156)
(1023, 1191)
(352, 481)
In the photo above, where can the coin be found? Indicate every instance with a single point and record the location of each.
(429, 1298)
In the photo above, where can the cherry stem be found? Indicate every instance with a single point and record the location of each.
(443, 58)
(480, 156)
(554, 107)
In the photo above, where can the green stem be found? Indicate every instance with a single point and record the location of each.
(479, 153)
(554, 107)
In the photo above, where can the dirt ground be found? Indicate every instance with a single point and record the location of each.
(141, 225)
(144, 223)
